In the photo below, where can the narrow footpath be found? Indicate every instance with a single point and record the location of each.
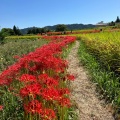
(83, 93)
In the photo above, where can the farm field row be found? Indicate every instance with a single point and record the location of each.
(36, 86)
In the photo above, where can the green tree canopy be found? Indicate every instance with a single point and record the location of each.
(112, 23)
(35, 30)
(1, 37)
(117, 20)
(16, 30)
(61, 28)
(7, 32)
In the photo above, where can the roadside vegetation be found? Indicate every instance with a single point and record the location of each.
(99, 53)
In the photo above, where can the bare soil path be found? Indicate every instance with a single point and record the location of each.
(84, 91)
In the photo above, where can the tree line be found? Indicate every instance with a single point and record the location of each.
(8, 31)
(16, 31)
(113, 23)
(59, 28)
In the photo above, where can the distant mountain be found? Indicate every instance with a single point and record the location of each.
(69, 26)
(73, 26)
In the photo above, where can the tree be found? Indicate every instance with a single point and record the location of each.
(61, 28)
(117, 20)
(7, 32)
(112, 23)
(1, 37)
(29, 31)
(16, 30)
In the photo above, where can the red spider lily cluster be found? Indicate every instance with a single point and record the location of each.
(41, 80)
(1, 107)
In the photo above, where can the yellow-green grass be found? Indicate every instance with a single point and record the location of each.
(24, 37)
(105, 46)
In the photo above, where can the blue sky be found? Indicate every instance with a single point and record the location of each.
(40, 13)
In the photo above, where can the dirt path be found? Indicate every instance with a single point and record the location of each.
(83, 92)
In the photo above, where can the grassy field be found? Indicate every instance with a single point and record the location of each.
(24, 37)
(100, 53)
(105, 47)
(17, 47)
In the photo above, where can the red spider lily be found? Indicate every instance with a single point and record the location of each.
(33, 89)
(33, 107)
(70, 77)
(41, 86)
(16, 56)
(5, 81)
(1, 107)
(27, 78)
(65, 102)
(51, 94)
(48, 81)
(64, 91)
(48, 114)
(56, 64)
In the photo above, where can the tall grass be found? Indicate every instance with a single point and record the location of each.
(105, 47)
(12, 48)
(107, 83)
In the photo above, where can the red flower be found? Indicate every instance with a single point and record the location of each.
(51, 94)
(48, 114)
(16, 56)
(65, 102)
(33, 107)
(33, 89)
(70, 77)
(48, 81)
(64, 91)
(27, 78)
(1, 107)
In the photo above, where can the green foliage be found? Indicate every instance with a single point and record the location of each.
(16, 30)
(12, 105)
(61, 28)
(7, 32)
(105, 47)
(1, 38)
(17, 47)
(107, 84)
(35, 30)
(112, 23)
(117, 20)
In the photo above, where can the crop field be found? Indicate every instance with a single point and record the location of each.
(34, 84)
(24, 37)
(105, 47)
(100, 53)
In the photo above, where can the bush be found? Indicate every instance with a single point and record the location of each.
(1, 38)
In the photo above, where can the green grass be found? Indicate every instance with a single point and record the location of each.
(107, 84)
(11, 48)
